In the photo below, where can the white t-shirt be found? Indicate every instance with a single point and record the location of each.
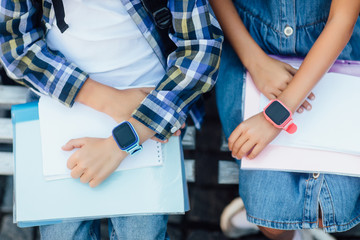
(104, 41)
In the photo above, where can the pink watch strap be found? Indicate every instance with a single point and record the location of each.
(291, 128)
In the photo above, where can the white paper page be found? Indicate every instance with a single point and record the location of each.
(333, 123)
(59, 124)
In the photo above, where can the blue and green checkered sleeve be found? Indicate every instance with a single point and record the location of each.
(192, 68)
(26, 57)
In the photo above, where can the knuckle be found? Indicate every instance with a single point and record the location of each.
(81, 165)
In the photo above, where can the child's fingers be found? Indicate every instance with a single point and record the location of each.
(234, 136)
(73, 143)
(306, 105)
(76, 172)
(101, 173)
(255, 151)
(238, 145)
(270, 96)
(86, 177)
(291, 69)
(99, 178)
(311, 96)
(73, 160)
(277, 93)
(159, 140)
(282, 87)
(94, 182)
(245, 149)
(300, 109)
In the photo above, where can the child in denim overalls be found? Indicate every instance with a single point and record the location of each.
(282, 200)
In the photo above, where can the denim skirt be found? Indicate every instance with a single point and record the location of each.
(285, 200)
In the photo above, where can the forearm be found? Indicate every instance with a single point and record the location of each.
(236, 33)
(324, 52)
(118, 104)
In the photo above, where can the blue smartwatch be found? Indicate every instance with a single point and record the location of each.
(126, 138)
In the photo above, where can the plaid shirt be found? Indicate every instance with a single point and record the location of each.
(190, 71)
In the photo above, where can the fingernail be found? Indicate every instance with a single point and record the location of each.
(300, 110)
(308, 107)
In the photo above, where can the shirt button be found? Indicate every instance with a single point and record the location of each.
(316, 175)
(173, 129)
(288, 31)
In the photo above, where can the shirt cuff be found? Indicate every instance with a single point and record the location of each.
(71, 79)
(162, 116)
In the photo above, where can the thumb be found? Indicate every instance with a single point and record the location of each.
(74, 143)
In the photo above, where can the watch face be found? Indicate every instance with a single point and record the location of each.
(277, 113)
(124, 135)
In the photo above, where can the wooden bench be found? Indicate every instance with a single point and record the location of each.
(228, 172)
(9, 95)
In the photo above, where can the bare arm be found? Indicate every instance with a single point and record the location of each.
(254, 134)
(118, 104)
(333, 39)
(235, 31)
(270, 76)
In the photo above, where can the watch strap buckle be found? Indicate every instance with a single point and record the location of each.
(136, 148)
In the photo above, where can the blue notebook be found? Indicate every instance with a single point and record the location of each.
(152, 190)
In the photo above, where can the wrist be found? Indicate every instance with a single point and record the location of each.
(142, 130)
(255, 61)
(279, 116)
(117, 151)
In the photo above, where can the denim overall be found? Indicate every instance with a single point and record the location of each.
(285, 200)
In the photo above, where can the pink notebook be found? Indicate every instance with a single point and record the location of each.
(301, 159)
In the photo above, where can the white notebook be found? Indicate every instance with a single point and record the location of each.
(148, 190)
(326, 139)
(333, 122)
(59, 124)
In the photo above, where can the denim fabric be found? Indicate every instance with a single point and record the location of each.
(274, 199)
(152, 227)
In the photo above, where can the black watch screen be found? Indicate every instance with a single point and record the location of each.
(277, 112)
(124, 135)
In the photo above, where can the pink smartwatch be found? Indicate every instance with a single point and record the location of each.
(280, 116)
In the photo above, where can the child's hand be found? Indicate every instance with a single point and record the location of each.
(251, 137)
(95, 159)
(272, 76)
